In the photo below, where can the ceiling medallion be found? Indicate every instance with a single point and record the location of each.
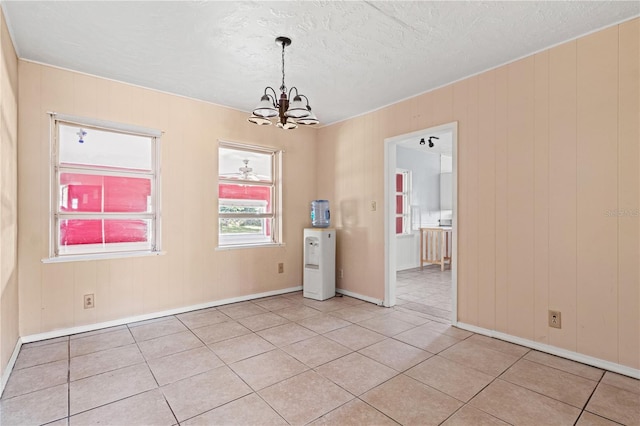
(289, 114)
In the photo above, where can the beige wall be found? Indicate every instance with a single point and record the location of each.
(547, 145)
(8, 196)
(192, 271)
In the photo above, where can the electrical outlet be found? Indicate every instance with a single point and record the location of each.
(280, 268)
(555, 320)
(341, 273)
(89, 301)
(373, 206)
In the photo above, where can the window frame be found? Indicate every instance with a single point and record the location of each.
(56, 215)
(406, 202)
(243, 241)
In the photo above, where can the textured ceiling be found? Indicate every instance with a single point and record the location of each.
(347, 57)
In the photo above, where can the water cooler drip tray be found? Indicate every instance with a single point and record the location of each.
(312, 253)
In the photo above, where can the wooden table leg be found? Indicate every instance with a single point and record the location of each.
(421, 264)
(442, 252)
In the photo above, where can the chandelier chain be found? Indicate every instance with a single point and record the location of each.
(283, 88)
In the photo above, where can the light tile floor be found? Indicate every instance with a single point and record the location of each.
(289, 360)
(426, 290)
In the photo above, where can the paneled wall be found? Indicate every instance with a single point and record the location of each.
(548, 193)
(8, 197)
(192, 271)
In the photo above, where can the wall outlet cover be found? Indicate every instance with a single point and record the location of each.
(555, 319)
(89, 301)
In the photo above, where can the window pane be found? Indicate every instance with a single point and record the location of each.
(399, 204)
(98, 231)
(247, 199)
(126, 231)
(101, 148)
(399, 185)
(84, 193)
(245, 165)
(256, 226)
(126, 194)
(74, 232)
(81, 193)
(399, 227)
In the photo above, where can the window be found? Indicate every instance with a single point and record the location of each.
(105, 186)
(403, 202)
(248, 195)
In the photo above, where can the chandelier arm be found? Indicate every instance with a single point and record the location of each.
(274, 98)
(306, 99)
(291, 90)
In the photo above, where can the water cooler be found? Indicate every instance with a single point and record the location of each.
(319, 277)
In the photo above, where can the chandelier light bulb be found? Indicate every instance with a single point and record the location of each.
(309, 120)
(265, 108)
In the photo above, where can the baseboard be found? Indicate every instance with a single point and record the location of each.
(10, 365)
(359, 296)
(97, 326)
(554, 350)
(407, 267)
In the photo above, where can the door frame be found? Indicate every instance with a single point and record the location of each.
(390, 245)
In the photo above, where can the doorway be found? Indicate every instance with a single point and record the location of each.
(427, 288)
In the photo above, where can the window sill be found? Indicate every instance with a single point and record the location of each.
(249, 246)
(102, 256)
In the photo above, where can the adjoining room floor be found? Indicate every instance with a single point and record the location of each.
(427, 291)
(290, 360)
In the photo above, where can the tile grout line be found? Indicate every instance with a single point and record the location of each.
(314, 369)
(547, 396)
(487, 385)
(36, 390)
(586, 404)
(144, 361)
(308, 369)
(565, 371)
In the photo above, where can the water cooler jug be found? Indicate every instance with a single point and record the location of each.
(319, 277)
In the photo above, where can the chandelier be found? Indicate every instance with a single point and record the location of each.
(290, 114)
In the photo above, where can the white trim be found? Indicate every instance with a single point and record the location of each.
(107, 125)
(275, 215)
(249, 246)
(127, 320)
(360, 296)
(10, 365)
(554, 350)
(390, 243)
(101, 256)
(390, 239)
(74, 253)
(454, 225)
(407, 219)
(242, 146)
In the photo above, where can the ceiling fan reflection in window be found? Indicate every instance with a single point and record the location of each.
(246, 173)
